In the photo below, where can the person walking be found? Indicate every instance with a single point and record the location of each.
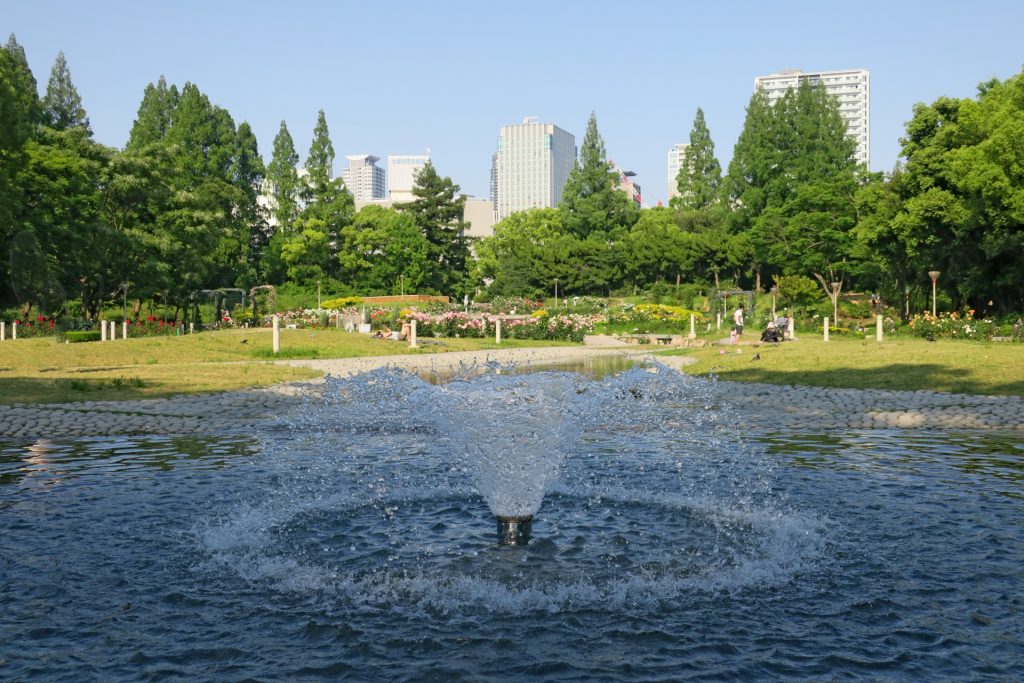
(737, 319)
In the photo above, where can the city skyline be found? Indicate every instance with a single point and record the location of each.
(449, 80)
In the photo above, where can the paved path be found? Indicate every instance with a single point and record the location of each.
(770, 406)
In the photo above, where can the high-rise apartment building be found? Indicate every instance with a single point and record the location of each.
(676, 155)
(852, 88)
(402, 172)
(364, 178)
(531, 166)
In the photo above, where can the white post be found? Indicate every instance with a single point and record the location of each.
(103, 330)
(412, 334)
(718, 321)
(337, 319)
(124, 329)
(878, 328)
(3, 330)
(277, 334)
(497, 330)
(191, 328)
(826, 328)
(113, 330)
(14, 330)
(792, 328)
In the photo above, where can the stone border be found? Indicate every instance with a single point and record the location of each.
(761, 405)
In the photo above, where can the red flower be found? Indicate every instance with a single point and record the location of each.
(150, 318)
(51, 324)
(161, 323)
(17, 322)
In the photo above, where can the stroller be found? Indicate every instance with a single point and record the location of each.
(776, 330)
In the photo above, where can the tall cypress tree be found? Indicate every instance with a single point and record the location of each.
(156, 113)
(320, 161)
(284, 180)
(438, 212)
(590, 203)
(700, 177)
(62, 105)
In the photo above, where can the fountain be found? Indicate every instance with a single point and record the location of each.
(644, 532)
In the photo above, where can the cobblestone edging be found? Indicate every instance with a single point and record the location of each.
(763, 405)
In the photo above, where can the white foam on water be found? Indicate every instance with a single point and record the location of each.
(648, 440)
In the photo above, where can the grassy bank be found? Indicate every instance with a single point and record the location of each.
(44, 371)
(904, 364)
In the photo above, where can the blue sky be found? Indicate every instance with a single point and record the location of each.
(401, 77)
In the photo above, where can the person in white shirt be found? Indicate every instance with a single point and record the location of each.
(737, 319)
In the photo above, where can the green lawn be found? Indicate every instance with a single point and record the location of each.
(44, 371)
(904, 364)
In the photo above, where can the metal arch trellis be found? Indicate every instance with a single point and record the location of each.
(271, 297)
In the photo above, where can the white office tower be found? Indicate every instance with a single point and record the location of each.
(402, 172)
(364, 178)
(531, 166)
(676, 156)
(852, 87)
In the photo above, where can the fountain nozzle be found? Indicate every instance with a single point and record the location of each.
(514, 530)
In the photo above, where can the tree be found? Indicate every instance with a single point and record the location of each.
(62, 106)
(437, 211)
(155, 115)
(383, 252)
(590, 203)
(247, 173)
(328, 205)
(700, 177)
(791, 185)
(963, 195)
(284, 181)
(19, 113)
(320, 161)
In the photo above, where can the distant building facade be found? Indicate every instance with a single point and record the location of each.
(851, 87)
(676, 157)
(628, 185)
(531, 166)
(479, 213)
(402, 172)
(364, 178)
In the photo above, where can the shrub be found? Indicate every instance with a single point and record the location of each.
(76, 336)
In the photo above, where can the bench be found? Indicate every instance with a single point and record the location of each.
(664, 340)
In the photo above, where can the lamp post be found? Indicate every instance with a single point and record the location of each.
(402, 279)
(775, 291)
(835, 301)
(556, 292)
(934, 275)
(124, 300)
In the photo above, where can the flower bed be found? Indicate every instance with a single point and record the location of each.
(955, 325)
(539, 326)
(41, 326)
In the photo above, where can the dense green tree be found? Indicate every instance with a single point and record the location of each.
(284, 181)
(383, 252)
(320, 161)
(326, 203)
(963, 195)
(154, 116)
(791, 185)
(19, 114)
(521, 258)
(62, 105)
(700, 177)
(252, 234)
(590, 201)
(438, 211)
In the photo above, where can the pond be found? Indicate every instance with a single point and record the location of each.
(354, 538)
